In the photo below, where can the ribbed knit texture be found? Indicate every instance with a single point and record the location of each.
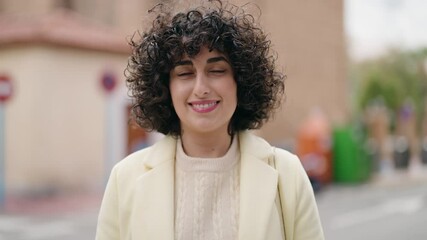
(207, 195)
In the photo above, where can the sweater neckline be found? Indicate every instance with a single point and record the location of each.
(198, 164)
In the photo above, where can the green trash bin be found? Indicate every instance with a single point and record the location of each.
(351, 163)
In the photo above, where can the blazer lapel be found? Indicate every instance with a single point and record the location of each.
(153, 211)
(258, 187)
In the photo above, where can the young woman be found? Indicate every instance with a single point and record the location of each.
(203, 78)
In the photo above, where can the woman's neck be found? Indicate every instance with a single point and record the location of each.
(206, 145)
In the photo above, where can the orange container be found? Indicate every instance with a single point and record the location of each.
(313, 147)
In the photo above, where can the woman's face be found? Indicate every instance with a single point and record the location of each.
(204, 92)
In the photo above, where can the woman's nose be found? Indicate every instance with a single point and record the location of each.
(201, 86)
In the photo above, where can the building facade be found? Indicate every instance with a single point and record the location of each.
(67, 122)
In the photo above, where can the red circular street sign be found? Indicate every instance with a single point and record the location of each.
(108, 81)
(6, 88)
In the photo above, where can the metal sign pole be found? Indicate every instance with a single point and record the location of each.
(2, 156)
(109, 139)
(6, 91)
(108, 83)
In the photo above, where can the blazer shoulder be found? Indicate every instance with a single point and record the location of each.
(134, 162)
(135, 157)
(289, 166)
(299, 204)
(284, 157)
(147, 158)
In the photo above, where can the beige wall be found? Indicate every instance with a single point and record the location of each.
(309, 39)
(55, 122)
(26, 6)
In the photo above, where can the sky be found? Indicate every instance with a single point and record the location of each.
(373, 26)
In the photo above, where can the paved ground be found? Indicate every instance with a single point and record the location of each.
(65, 218)
(65, 227)
(394, 214)
(390, 208)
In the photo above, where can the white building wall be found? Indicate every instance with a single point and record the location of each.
(56, 118)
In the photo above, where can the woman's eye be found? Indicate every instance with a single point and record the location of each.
(218, 71)
(184, 74)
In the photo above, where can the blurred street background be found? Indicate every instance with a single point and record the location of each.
(355, 110)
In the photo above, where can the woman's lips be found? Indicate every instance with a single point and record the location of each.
(204, 106)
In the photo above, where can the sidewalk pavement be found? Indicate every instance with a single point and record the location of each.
(65, 217)
(397, 177)
(55, 204)
(391, 205)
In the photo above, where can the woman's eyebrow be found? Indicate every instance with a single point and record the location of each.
(183, 62)
(216, 59)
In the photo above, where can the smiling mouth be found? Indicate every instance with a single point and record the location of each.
(205, 106)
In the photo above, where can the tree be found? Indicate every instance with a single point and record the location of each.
(393, 79)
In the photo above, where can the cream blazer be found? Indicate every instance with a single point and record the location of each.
(138, 203)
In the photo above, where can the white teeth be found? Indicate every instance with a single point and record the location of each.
(204, 106)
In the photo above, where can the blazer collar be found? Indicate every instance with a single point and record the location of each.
(258, 187)
(153, 212)
(161, 152)
(255, 146)
(164, 150)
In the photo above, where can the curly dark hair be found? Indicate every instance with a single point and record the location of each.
(223, 27)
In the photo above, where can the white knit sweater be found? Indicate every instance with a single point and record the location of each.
(207, 195)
